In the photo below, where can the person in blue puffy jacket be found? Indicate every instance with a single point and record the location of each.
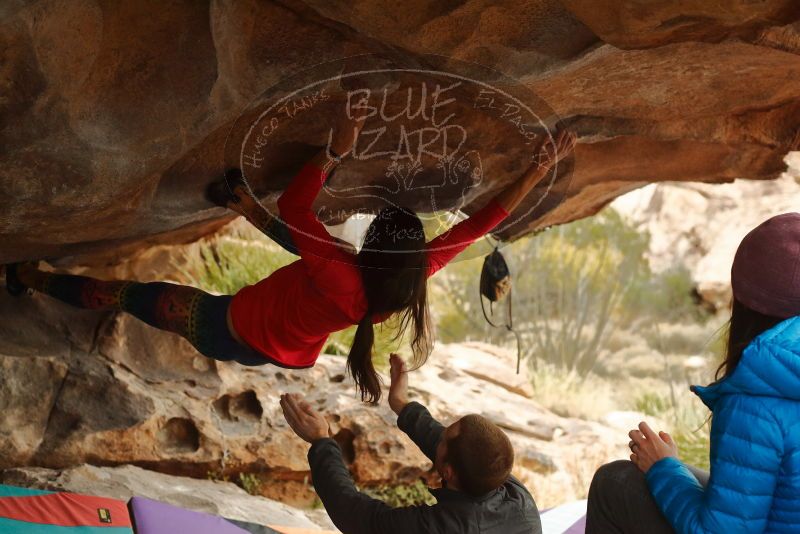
(754, 483)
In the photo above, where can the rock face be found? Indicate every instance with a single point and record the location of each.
(105, 389)
(116, 115)
(701, 226)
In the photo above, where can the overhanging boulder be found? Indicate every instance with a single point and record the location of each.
(116, 115)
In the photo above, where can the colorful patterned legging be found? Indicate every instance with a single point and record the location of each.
(199, 317)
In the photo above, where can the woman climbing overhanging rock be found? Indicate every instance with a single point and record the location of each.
(286, 318)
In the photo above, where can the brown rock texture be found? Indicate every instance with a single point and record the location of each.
(115, 115)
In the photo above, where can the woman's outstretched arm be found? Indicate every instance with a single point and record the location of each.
(448, 245)
(295, 204)
(550, 152)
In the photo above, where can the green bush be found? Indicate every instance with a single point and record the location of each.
(386, 342)
(575, 285)
(397, 496)
(227, 264)
(217, 476)
(694, 446)
(651, 404)
(569, 286)
(667, 296)
(251, 483)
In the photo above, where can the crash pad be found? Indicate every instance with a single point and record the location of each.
(31, 511)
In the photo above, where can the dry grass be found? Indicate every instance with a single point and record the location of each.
(569, 395)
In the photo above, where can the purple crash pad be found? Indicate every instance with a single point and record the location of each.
(569, 518)
(577, 528)
(153, 517)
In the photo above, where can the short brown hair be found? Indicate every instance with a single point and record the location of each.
(481, 455)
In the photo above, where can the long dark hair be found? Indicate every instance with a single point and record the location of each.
(393, 267)
(745, 325)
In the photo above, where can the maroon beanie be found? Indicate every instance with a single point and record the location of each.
(766, 269)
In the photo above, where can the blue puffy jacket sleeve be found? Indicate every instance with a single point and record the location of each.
(746, 453)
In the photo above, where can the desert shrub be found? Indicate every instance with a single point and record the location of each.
(386, 342)
(667, 296)
(238, 258)
(251, 483)
(567, 394)
(400, 495)
(694, 445)
(650, 403)
(217, 476)
(569, 284)
(576, 286)
(679, 338)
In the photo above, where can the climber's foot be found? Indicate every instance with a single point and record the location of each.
(229, 190)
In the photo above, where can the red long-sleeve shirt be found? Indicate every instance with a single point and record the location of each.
(289, 315)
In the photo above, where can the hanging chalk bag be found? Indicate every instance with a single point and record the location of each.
(495, 285)
(495, 277)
